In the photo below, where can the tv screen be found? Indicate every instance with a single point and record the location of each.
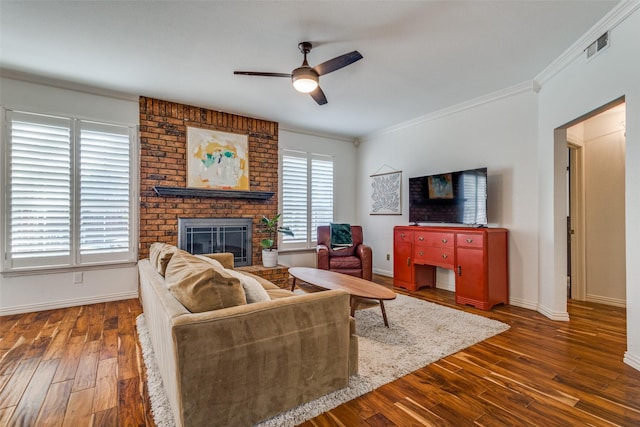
(452, 198)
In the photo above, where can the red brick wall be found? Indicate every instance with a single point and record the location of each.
(163, 130)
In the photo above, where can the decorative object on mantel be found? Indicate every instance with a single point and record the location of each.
(210, 193)
(386, 192)
(270, 226)
(217, 159)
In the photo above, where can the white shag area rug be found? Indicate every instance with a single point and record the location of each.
(419, 333)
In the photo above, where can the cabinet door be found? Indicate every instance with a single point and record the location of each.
(471, 274)
(402, 253)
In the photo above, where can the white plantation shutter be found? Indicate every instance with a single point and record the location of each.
(321, 193)
(295, 197)
(40, 179)
(307, 196)
(104, 189)
(68, 194)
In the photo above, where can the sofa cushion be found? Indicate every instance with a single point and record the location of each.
(253, 290)
(159, 255)
(345, 262)
(201, 287)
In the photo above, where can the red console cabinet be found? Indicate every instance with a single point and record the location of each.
(479, 257)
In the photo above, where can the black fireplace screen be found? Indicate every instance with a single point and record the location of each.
(215, 235)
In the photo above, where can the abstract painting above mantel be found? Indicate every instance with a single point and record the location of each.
(217, 159)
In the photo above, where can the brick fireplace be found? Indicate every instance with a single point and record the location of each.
(163, 129)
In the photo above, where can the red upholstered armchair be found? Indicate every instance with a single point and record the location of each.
(355, 260)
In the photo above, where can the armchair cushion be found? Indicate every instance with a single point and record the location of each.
(340, 236)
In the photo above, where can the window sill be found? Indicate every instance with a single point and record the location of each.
(32, 271)
(294, 251)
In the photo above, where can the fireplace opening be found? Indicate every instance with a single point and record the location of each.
(215, 235)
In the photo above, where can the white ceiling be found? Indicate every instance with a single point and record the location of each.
(419, 56)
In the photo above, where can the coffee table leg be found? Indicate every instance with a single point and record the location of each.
(384, 314)
(293, 284)
(354, 305)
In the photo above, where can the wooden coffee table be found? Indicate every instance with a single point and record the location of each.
(354, 286)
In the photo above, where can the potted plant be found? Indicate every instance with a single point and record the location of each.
(270, 226)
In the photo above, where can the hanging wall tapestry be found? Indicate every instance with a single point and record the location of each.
(385, 194)
(217, 159)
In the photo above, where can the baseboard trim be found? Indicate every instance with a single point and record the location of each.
(606, 300)
(632, 360)
(446, 286)
(529, 305)
(382, 272)
(29, 308)
(561, 316)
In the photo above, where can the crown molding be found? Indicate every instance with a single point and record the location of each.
(611, 20)
(318, 134)
(6, 73)
(528, 86)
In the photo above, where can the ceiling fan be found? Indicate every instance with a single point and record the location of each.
(305, 78)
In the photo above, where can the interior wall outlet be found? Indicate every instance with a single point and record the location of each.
(388, 257)
(77, 277)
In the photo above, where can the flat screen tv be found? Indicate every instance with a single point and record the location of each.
(450, 198)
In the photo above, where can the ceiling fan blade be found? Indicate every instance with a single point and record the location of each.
(337, 63)
(257, 73)
(318, 96)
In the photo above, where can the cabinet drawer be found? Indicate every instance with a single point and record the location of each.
(440, 240)
(470, 240)
(403, 236)
(441, 257)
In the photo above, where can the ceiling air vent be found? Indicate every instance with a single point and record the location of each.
(598, 45)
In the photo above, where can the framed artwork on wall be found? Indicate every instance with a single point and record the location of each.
(385, 194)
(217, 159)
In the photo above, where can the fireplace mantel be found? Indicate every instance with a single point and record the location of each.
(211, 193)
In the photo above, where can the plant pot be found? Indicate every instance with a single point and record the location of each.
(269, 258)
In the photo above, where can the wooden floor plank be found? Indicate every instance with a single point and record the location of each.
(34, 395)
(81, 366)
(55, 404)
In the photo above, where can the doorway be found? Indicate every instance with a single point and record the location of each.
(596, 255)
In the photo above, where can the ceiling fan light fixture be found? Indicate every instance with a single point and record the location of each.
(304, 79)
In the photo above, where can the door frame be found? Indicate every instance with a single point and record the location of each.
(577, 208)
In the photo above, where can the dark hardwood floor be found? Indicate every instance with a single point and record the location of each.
(82, 366)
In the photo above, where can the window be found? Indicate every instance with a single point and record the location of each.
(307, 196)
(68, 192)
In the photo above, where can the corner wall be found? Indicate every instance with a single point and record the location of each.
(578, 88)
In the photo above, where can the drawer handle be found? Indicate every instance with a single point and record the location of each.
(402, 235)
(421, 253)
(469, 240)
(421, 238)
(444, 240)
(408, 260)
(445, 256)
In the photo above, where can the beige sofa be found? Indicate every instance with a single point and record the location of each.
(240, 364)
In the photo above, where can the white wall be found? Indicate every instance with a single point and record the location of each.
(344, 153)
(604, 164)
(497, 132)
(572, 91)
(33, 292)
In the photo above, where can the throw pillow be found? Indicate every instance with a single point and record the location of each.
(340, 236)
(253, 290)
(199, 286)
